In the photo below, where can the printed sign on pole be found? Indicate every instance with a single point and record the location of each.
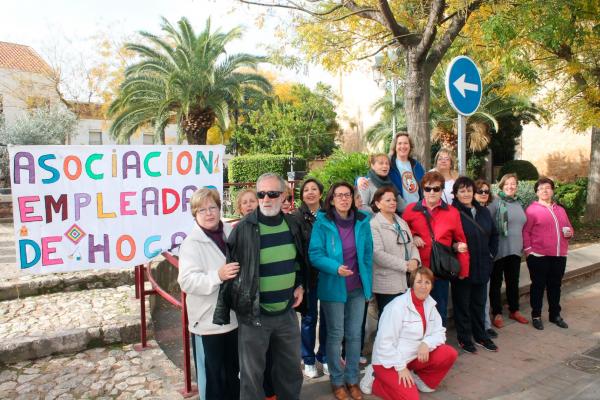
(463, 85)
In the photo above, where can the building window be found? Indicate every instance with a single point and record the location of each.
(95, 137)
(148, 138)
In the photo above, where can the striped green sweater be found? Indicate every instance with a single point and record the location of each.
(278, 265)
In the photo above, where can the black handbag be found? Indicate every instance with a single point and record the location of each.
(442, 262)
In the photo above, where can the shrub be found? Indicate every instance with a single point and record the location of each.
(342, 167)
(249, 168)
(572, 197)
(524, 170)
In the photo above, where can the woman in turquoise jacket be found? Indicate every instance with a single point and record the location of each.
(341, 247)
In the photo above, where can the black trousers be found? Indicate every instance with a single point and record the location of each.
(216, 360)
(383, 300)
(468, 300)
(510, 266)
(282, 334)
(546, 273)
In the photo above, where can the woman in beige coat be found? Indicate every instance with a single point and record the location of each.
(394, 251)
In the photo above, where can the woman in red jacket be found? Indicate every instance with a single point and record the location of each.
(447, 229)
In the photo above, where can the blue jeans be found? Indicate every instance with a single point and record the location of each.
(308, 331)
(344, 321)
(440, 295)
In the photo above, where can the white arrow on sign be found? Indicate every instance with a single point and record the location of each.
(461, 85)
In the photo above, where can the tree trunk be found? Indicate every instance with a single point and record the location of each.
(416, 106)
(592, 209)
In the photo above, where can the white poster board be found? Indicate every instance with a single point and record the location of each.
(97, 207)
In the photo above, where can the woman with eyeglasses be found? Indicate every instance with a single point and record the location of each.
(202, 269)
(446, 227)
(510, 219)
(395, 255)
(341, 247)
(546, 238)
(483, 196)
(445, 165)
(469, 295)
(405, 171)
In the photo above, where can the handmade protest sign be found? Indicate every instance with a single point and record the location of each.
(95, 207)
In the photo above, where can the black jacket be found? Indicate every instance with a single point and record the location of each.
(242, 292)
(482, 247)
(306, 221)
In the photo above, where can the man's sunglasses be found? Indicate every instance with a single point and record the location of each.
(481, 191)
(436, 189)
(272, 194)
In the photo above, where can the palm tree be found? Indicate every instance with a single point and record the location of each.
(184, 78)
(380, 134)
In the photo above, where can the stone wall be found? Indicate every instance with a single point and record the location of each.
(557, 152)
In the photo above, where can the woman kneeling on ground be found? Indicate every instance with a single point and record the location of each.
(410, 353)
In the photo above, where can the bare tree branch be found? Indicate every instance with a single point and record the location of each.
(401, 33)
(441, 47)
(435, 13)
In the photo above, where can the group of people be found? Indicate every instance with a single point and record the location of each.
(332, 255)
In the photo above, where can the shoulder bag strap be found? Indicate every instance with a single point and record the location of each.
(428, 219)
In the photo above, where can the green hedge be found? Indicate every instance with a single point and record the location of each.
(342, 167)
(249, 168)
(524, 169)
(571, 196)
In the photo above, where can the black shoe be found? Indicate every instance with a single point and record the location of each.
(560, 322)
(487, 344)
(537, 323)
(492, 333)
(468, 347)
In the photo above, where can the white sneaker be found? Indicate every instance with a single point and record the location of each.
(366, 383)
(325, 369)
(422, 386)
(363, 360)
(310, 371)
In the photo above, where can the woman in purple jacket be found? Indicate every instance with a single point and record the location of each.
(546, 241)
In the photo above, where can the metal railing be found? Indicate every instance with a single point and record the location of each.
(143, 273)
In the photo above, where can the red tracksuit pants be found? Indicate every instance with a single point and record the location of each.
(387, 384)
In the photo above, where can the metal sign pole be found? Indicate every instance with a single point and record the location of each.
(462, 145)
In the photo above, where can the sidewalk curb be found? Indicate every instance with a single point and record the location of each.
(45, 284)
(74, 340)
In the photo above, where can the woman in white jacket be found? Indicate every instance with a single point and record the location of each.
(202, 269)
(410, 351)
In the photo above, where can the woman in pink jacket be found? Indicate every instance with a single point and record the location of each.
(546, 241)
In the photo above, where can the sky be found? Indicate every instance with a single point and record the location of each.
(69, 26)
(42, 24)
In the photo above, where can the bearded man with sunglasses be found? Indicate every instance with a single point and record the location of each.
(269, 247)
(447, 228)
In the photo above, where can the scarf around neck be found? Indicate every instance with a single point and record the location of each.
(378, 180)
(502, 212)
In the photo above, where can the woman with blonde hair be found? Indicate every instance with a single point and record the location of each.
(445, 164)
(202, 269)
(246, 202)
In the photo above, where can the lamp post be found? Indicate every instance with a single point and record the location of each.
(383, 77)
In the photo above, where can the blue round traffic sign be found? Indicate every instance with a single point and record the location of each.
(463, 85)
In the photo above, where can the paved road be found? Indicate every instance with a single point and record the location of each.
(530, 365)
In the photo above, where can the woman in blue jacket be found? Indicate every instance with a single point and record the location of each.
(341, 247)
